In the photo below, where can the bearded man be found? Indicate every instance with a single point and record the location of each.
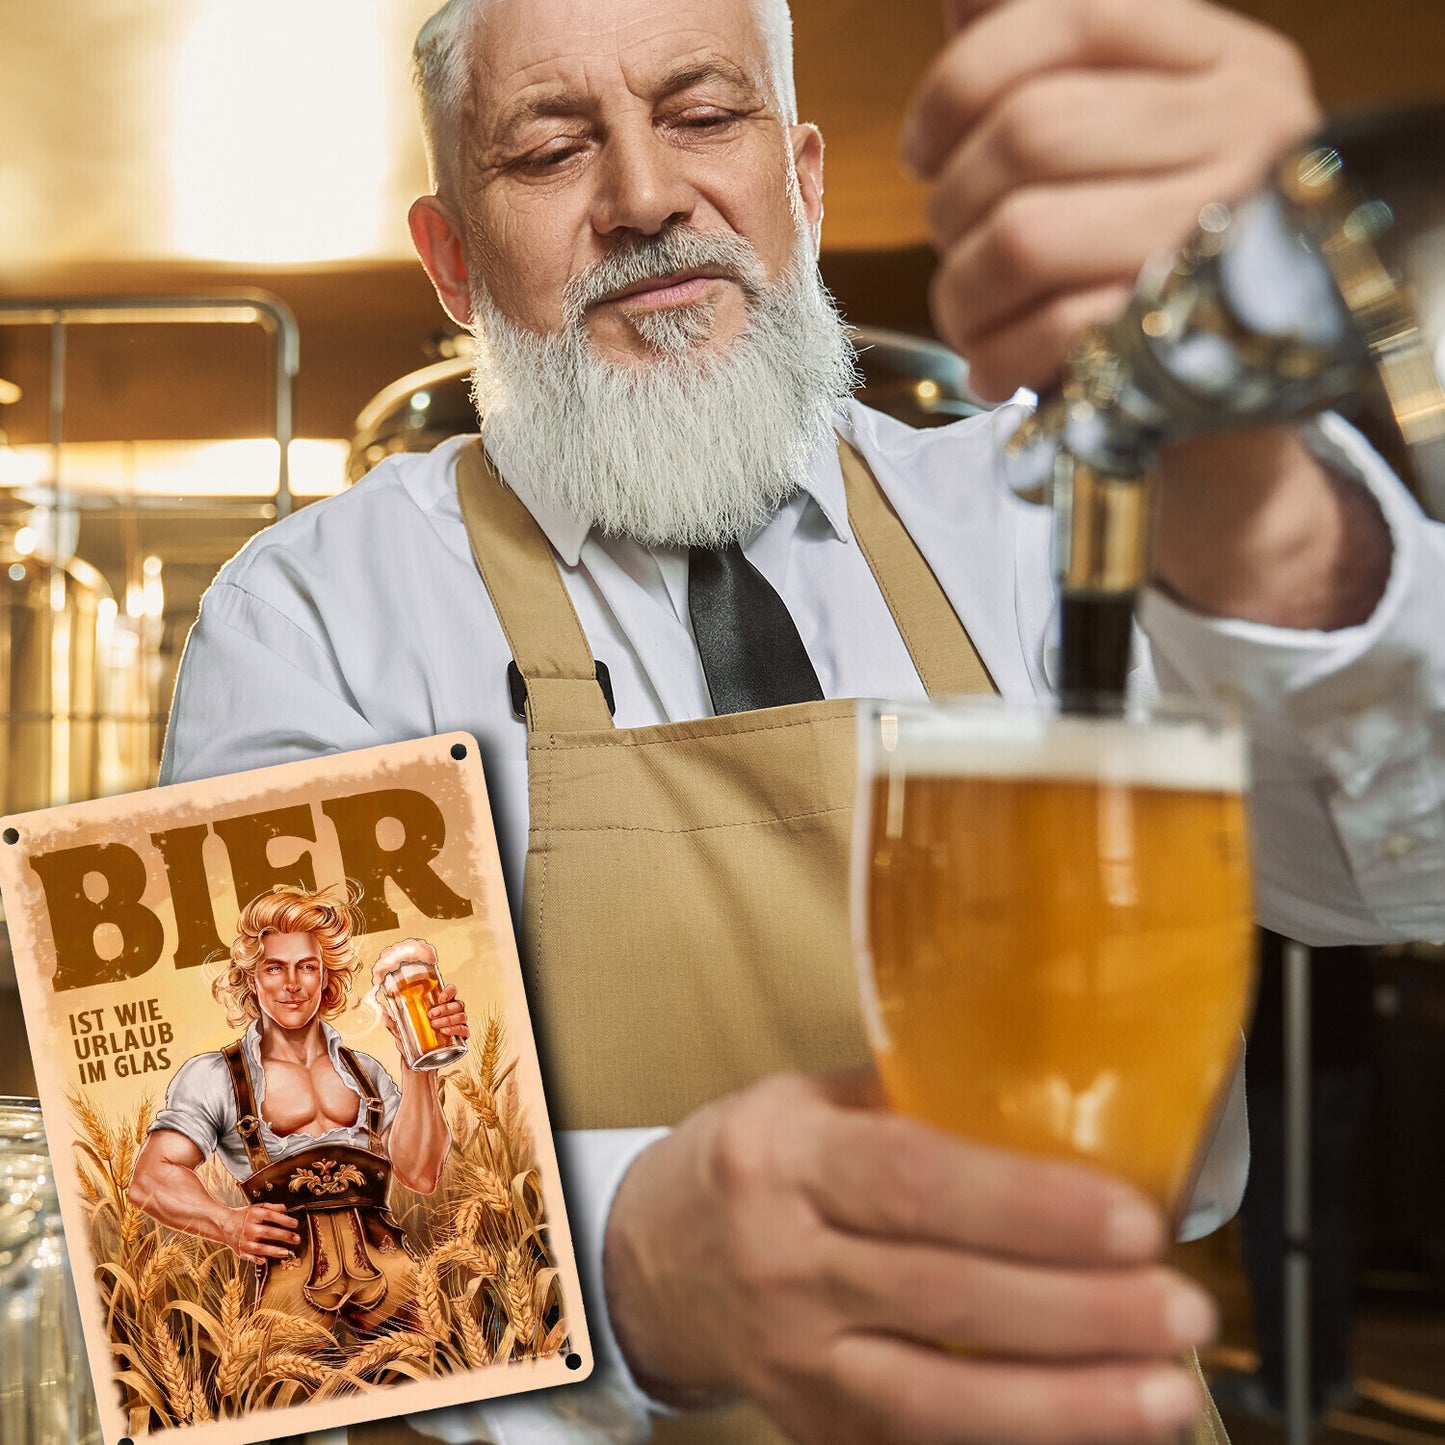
(627, 214)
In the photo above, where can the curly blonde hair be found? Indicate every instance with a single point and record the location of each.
(288, 909)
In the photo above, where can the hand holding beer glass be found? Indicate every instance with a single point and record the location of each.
(423, 1013)
(1053, 926)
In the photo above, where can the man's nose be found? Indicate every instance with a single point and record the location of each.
(644, 185)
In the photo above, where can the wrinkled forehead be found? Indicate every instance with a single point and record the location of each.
(593, 48)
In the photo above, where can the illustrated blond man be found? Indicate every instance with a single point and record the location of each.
(313, 1130)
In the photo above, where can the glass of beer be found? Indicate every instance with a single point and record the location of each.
(409, 992)
(1052, 922)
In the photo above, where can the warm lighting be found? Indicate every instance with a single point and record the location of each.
(241, 468)
(24, 542)
(927, 390)
(9, 392)
(153, 592)
(24, 466)
(421, 400)
(280, 133)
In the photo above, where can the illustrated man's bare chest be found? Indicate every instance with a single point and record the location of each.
(307, 1100)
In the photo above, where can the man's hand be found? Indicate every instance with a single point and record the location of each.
(447, 1012)
(1071, 140)
(1068, 142)
(787, 1245)
(260, 1233)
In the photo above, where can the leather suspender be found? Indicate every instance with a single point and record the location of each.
(369, 1094)
(248, 1120)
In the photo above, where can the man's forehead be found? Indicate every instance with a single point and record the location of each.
(291, 946)
(524, 46)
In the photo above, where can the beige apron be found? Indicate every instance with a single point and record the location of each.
(685, 914)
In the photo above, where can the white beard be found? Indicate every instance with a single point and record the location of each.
(693, 447)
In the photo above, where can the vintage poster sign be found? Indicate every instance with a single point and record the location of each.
(292, 1097)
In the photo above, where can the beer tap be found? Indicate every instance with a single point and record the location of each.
(1323, 290)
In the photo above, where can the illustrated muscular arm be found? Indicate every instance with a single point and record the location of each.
(419, 1140)
(166, 1186)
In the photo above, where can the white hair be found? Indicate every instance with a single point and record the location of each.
(442, 71)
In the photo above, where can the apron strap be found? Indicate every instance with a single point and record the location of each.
(531, 602)
(936, 639)
(374, 1110)
(550, 648)
(248, 1120)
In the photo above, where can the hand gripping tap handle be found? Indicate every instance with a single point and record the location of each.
(1324, 289)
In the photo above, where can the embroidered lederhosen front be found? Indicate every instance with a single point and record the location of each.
(353, 1260)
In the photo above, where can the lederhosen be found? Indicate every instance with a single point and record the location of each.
(353, 1256)
(685, 909)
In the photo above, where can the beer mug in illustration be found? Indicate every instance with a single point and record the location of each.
(407, 993)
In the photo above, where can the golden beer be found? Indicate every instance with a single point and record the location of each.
(1058, 931)
(410, 992)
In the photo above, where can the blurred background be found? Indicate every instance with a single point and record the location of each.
(239, 175)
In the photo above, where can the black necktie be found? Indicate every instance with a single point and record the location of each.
(749, 644)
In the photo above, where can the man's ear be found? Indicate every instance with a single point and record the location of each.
(808, 163)
(437, 237)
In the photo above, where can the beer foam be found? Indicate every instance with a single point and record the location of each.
(1181, 755)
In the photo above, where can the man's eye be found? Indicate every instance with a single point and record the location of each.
(541, 162)
(708, 120)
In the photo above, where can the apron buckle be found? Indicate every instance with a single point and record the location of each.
(517, 687)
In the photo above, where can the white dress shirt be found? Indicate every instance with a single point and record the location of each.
(362, 620)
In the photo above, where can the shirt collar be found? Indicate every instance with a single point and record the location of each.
(566, 531)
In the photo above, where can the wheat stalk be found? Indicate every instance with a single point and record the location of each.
(241, 1357)
(430, 1298)
(404, 1345)
(492, 1049)
(295, 1365)
(474, 1342)
(478, 1258)
(170, 1371)
(468, 1221)
(517, 1277)
(125, 1149)
(157, 1267)
(144, 1118)
(231, 1297)
(94, 1126)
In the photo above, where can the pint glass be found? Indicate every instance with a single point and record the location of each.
(408, 992)
(1053, 927)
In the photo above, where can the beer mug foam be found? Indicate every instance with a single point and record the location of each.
(409, 992)
(1053, 925)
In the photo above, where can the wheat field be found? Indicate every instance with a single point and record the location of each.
(189, 1344)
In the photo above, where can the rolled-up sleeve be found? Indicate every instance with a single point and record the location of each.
(200, 1103)
(1348, 732)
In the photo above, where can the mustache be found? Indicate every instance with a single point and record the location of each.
(653, 258)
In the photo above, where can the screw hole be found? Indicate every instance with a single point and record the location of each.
(12, 835)
(459, 751)
(574, 1362)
